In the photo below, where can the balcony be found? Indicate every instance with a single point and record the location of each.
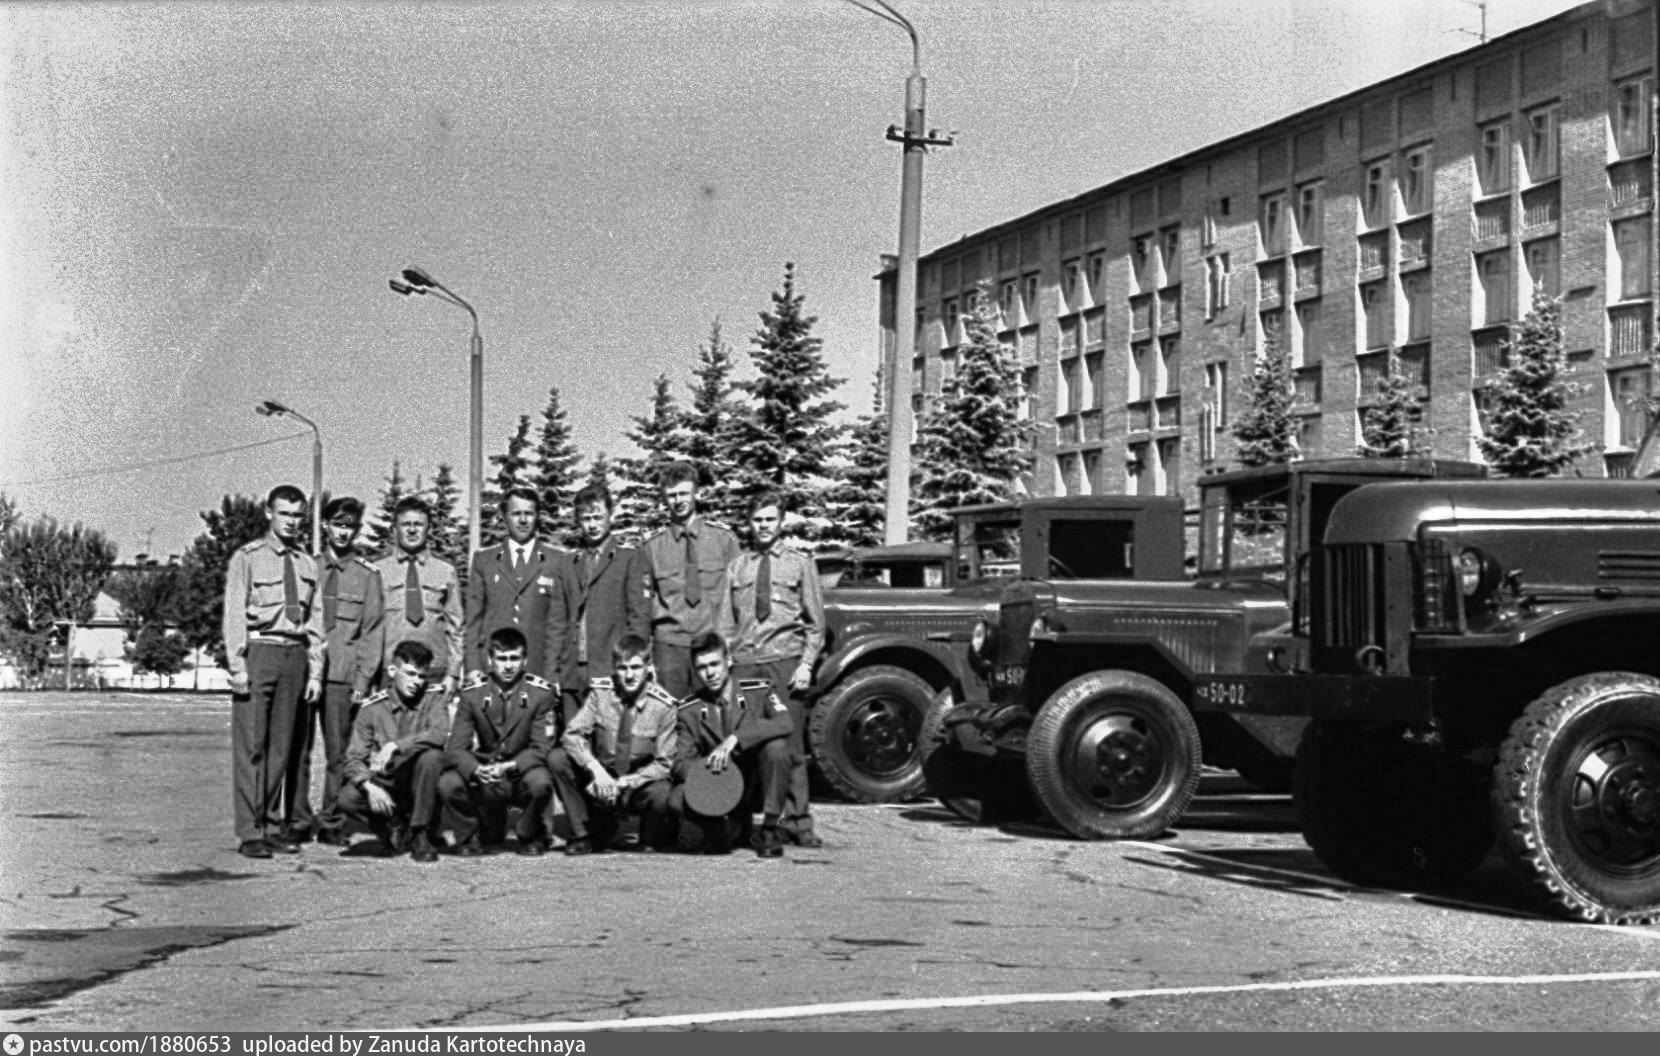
(1092, 425)
(1141, 314)
(1492, 219)
(1140, 417)
(1307, 387)
(1630, 184)
(1628, 330)
(1271, 283)
(1374, 251)
(1542, 207)
(1307, 267)
(1487, 354)
(1167, 412)
(1417, 242)
(1170, 309)
(1095, 327)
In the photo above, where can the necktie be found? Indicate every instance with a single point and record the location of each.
(518, 558)
(763, 589)
(331, 597)
(694, 589)
(625, 742)
(292, 610)
(414, 609)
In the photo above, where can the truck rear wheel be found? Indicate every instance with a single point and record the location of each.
(1577, 797)
(1381, 812)
(981, 788)
(1114, 755)
(864, 734)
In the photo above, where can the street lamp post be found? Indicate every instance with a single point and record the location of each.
(273, 409)
(414, 280)
(916, 143)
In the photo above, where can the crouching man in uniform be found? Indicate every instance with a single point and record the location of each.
(396, 754)
(617, 754)
(497, 750)
(730, 723)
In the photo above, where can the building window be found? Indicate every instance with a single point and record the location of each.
(1216, 284)
(951, 319)
(1143, 372)
(1540, 150)
(1630, 390)
(948, 367)
(1097, 263)
(1416, 181)
(1216, 392)
(1374, 202)
(1170, 254)
(1498, 295)
(1072, 385)
(1544, 268)
(1631, 256)
(1092, 381)
(1028, 297)
(1028, 393)
(1271, 326)
(1137, 473)
(1493, 160)
(1169, 466)
(1374, 307)
(1416, 290)
(1007, 306)
(1307, 352)
(1092, 472)
(1311, 199)
(1141, 260)
(1271, 224)
(1170, 366)
(1073, 288)
(1633, 127)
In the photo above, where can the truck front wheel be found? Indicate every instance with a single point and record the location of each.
(1114, 755)
(864, 734)
(1577, 796)
(1381, 812)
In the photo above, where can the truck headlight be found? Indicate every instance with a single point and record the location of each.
(1478, 574)
(983, 640)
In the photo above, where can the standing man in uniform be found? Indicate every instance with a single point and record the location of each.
(617, 754)
(511, 584)
(273, 629)
(496, 755)
(596, 601)
(731, 723)
(683, 576)
(774, 618)
(422, 596)
(396, 755)
(352, 605)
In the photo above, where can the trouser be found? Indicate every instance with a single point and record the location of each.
(334, 714)
(572, 693)
(413, 782)
(674, 668)
(590, 818)
(798, 815)
(766, 770)
(531, 791)
(261, 725)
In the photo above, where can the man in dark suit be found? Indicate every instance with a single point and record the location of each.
(732, 723)
(593, 606)
(511, 584)
(496, 755)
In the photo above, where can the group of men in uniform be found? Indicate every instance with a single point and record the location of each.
(618, 678)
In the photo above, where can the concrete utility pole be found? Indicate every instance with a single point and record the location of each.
(916, 143)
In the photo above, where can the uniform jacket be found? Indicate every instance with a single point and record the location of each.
(440, 630)
(756, 714)
(254, 603)
(663, 575)
(383, 719)
(795, 628)
(591, 610)
(593, 730)
(494, 724)
(498, 595)
(353, 644)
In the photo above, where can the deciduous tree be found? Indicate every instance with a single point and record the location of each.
(49, 575)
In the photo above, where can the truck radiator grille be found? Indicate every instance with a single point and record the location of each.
(1643, 566)
(1346, 596)
(1436, 602)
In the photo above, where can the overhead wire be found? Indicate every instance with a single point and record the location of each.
(130, 467)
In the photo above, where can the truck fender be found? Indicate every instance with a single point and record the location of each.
(923, 657)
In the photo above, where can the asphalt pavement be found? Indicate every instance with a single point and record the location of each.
(123, 906)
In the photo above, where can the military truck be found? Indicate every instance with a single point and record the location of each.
(891, 649)
(1091, 713)
(1479, 659)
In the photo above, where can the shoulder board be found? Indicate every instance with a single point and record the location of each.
(686, 702)
(378, 697)
(250, 547)
(538, 681)
(599, 683)
(366, 564)
(657, 692)
(754, 683)
(477, 680)
(722, 525)
(655, 534)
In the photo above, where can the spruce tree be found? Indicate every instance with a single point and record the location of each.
(858, 504)
(661, 437)
(1530, 430)
(972, 445)
(787, 438)
(1266, 432)
(711, 426)
(448, 535)
(510, 469)
(556, 478)
(391, 491)
(1393, 427)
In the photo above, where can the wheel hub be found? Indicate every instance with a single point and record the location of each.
(1614, 807)
(1117, 759)
(878, 737)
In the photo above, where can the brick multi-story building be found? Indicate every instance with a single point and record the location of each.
(1416, 214)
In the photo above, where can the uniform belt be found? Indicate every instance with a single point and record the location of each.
(276, 639)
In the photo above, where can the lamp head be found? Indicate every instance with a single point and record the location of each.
(271, 408)
(402, 287)
(417, 278)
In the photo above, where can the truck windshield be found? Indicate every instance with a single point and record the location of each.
(988, 550)
(1243, 530)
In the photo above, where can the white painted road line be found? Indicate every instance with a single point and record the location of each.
(1078, 997)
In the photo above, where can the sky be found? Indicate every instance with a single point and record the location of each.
(201, 203)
